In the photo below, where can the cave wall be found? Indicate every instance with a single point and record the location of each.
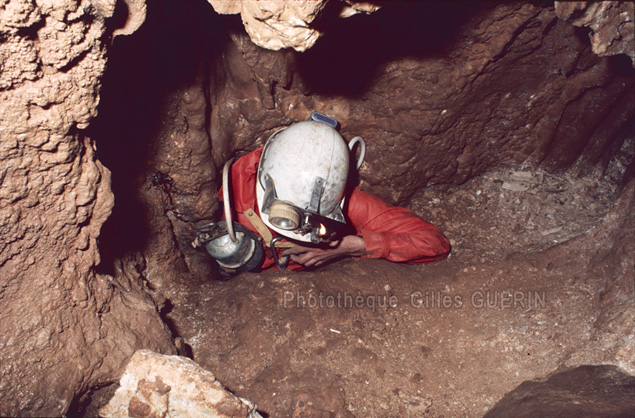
(452, 101)
(610, 23)
(460, 89)
(63, 328)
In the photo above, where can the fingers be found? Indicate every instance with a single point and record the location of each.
(298, 249)
(310, 258)
(299, 254)
(316, 256)
(307, 259)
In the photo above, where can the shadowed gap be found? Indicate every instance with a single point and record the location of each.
(143, 71)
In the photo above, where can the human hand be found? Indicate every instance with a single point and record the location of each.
(348, 246)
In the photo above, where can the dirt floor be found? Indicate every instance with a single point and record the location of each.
(519, 298)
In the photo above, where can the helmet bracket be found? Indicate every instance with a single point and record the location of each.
(270, 194)
(316, 195)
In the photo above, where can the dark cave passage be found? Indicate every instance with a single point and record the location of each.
(174, 46)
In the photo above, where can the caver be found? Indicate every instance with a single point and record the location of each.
(289, 205)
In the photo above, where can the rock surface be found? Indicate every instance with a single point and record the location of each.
(277, 24)
(379, 339)
(64, 328)
(612, 24)
(452, 96)
(589, 391)
(155, 385)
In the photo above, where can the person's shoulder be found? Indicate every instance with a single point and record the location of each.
(248, 162)
(359, 196)
(252, 155)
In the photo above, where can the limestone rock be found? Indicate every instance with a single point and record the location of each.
(353, 8)
(135, 13)
(613, 339)
(64, 327)
(105, 8)
(450, 103)
(612, 24)
(135, 17)
(155, 385)
(277, 24)
(590, 391)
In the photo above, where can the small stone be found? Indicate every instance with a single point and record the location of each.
(153, 381)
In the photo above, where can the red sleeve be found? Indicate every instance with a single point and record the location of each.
(394, 233)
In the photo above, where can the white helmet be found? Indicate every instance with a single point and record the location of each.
(302, 174)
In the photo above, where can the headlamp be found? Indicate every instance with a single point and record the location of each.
(289, 217)
(286, 216)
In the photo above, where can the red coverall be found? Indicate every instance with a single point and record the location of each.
(389, 232)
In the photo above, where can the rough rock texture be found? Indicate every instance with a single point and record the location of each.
(380, 339)
(589, 391)
(282, 24)
(165, 181)
(612, 24)
(63, 328)
(452, 96)
(155, 385)
(277, 24)
(135, 16)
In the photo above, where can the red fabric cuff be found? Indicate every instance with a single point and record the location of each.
(377, 244)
